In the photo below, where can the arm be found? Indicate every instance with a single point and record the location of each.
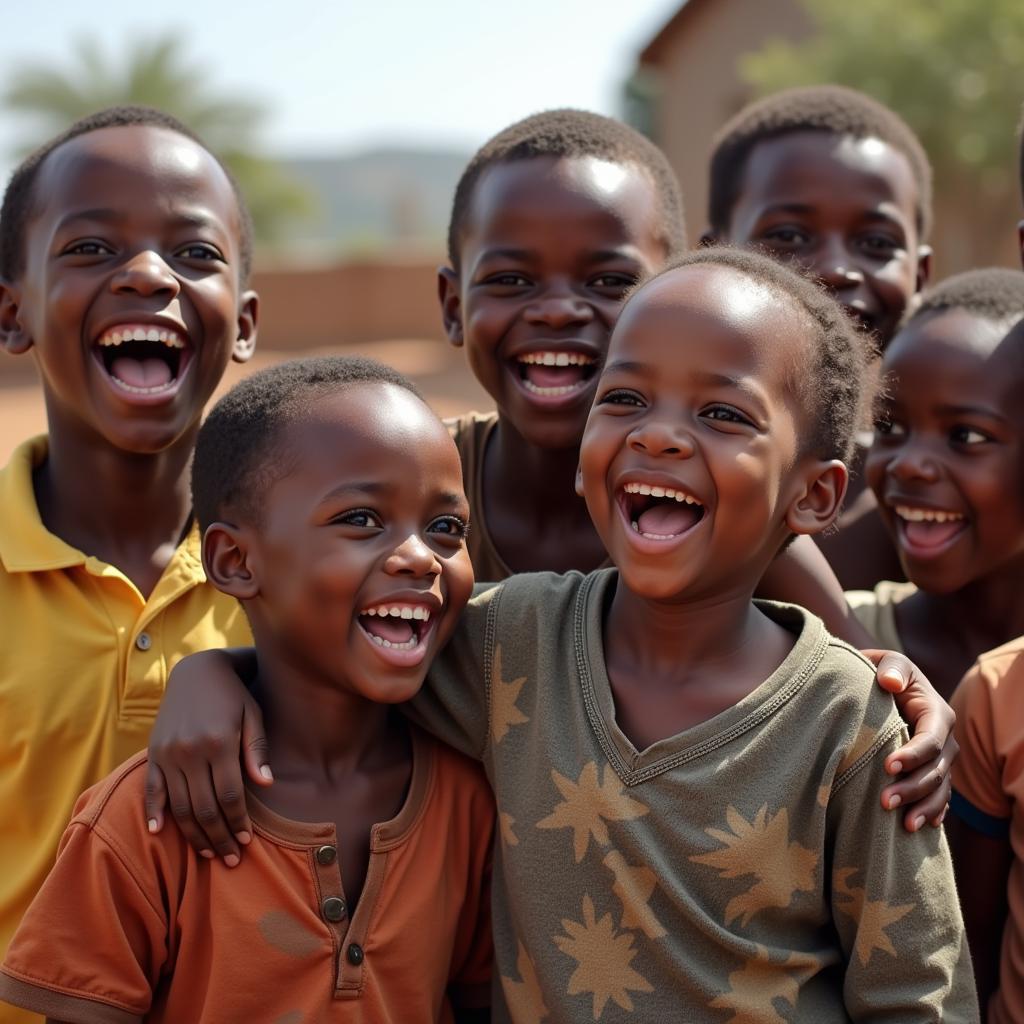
(801, 575)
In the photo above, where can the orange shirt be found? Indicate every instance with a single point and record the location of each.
(131, 927)
(988, 793)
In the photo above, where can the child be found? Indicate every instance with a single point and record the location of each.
(675, 838)
(332, 508)
(839, 184)
(947, 468)
(132, 308)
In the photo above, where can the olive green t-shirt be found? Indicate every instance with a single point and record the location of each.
(742, 870)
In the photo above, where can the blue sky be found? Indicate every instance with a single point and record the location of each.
(345, 75)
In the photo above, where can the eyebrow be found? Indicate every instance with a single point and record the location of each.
(376, 487)
(807, 208)
(110, 215)
(970, 410)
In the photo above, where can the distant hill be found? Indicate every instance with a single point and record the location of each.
(376, 199)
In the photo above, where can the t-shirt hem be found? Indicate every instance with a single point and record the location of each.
(61, 1005)
(986, 824)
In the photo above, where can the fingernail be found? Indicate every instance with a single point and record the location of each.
(208, 854)
(896, 767)
(895, 673)
(231, 860)
(266, 772)
(153, 825)
(244, 838)
(894, 801)
(919, 822)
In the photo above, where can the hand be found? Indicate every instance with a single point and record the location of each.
(924, 762)
(206, 720)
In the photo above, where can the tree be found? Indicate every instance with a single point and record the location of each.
(157, 74)
(952, 69)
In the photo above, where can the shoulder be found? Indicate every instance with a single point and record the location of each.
(996, 679)
(538, 599)
(875, 610)
(458, 775)
(885, 594)
(470, 427)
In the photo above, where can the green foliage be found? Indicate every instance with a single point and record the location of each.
(951, 68)
(157, 74)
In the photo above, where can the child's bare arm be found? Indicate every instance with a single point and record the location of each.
(982, 866)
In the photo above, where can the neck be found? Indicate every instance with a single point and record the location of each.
(119, 506)
(315, 728)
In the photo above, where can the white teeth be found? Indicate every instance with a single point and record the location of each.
(557, 359)
(926, 515)
(409, 611)
(118, 336)
(565, 390)
(660, 492)
(408, 645)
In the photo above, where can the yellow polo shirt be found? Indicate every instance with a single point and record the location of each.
(84, 659)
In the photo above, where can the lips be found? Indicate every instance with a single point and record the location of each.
(659, 512)
(143, 361)
(398, 630)
(927, 532)
(555, 375)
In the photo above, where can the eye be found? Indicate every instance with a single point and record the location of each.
(88, 247)
(616, 282)
(200, 251)
(880, 245)
(449, 526)
(726, 414)
(622, 396)
(968, 436)
(508, 279)
(785, 236)
(362, 518)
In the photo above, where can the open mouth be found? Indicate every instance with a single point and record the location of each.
(398, 630)
(143, 359)
(659, 513)
(928, 530)
(549, 374)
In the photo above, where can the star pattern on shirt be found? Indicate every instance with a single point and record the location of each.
(634, 888)
(759, 982)
(604, 958)
(506, 828)
(504, 712)
(871, 917)
(587, 805)
(760, 847)
(524, 998)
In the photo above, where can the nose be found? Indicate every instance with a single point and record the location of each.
(913, 461)
(661, 438)
(145, 273)
(835, 266)
(557, 308)
(413, 558)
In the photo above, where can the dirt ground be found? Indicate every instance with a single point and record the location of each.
(439, 370)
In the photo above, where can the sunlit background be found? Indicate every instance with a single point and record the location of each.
(349, 123)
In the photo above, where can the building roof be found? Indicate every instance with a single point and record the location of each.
(652, 53)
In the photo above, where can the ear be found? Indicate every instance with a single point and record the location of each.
(816, 507)
(708, 237)
(248, 318)
(924, 266)
(226, 561)
(450, 296)
(579, 480)
(13, 338)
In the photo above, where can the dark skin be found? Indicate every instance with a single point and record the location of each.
(845, 210)
(950, 446)
(981, 864)
(716, 419)
(102, 256)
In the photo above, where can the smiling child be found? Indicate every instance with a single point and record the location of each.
(124, 258)
(947, 468)
(332, 507)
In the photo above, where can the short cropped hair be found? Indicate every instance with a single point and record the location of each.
(566, 134)
(994, 293)
(835, 381)
(237, 451)
(20, 193)
(821, 108)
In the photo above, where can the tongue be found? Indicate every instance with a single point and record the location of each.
(931, 535)
(553, 376)
(667, 520)
(395, 631)
(141, 373)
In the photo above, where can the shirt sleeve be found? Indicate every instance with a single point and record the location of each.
(93, 942)
(453, 704)
(894, 903)
(978, 796)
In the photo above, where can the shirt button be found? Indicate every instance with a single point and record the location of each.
(355, 954)
(333, 908)
(326, 855)
(143, 641)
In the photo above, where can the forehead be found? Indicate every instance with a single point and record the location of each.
(716, 316)
(974, 354)
(828, 172)
(573, 196)
(132, 168)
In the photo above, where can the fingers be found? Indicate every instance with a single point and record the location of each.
(893, 671)
(924, 748)
(229, 796)
(925, 792)
(196, 810)
(181, 809)
(156, 798)
(255, 750)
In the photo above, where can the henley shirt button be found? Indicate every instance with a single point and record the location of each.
(143, 641)
(326, 855)
(333, 908)
(355, 954)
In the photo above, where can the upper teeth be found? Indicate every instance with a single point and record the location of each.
(661, 492)
(403, 611)
(557, 358)
(118, 335)
(926, 515)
